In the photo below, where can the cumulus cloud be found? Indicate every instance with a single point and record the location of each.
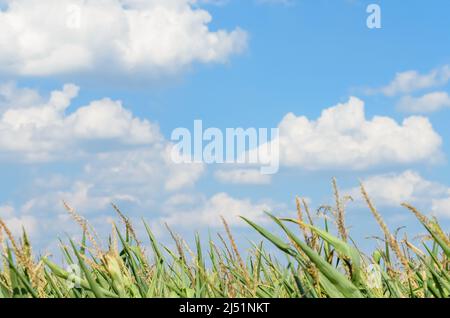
(150, 166)
(6, 211)
(46, 131)
(208, 212)
(410, 81)
(393, 189)
(140, 178)
(48, 37)
(427, 103)
(17, 223)
(441, 207)
(101, 153)
(12, 96)
(342, 137)
(81, 195)
(139, 181)
(242, 176)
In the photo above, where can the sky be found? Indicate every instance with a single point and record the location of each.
(91, 91)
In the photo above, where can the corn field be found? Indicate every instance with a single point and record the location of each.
(320, 261)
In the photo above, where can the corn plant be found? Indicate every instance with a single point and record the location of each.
(313, 261)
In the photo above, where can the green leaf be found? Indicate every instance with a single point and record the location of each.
(96, 289)
(342, 247)
(335, 277)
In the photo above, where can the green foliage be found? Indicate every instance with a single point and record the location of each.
(315, 263)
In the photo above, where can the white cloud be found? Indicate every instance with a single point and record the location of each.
(17, 223)
(425, 104)
(42, 132)
(103, 154)
(6, 211)
(410, 81)
(208, 212)
(242, 176)
(342, 137)
(144, 167)
(47, 37)
(81, 195)
(12, 96)
(394, 189)
(441, 207)
(139, 181)
(180, 200)
(140, 177)
(107, 119)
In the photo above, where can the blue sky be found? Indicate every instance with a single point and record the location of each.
(269, 59)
